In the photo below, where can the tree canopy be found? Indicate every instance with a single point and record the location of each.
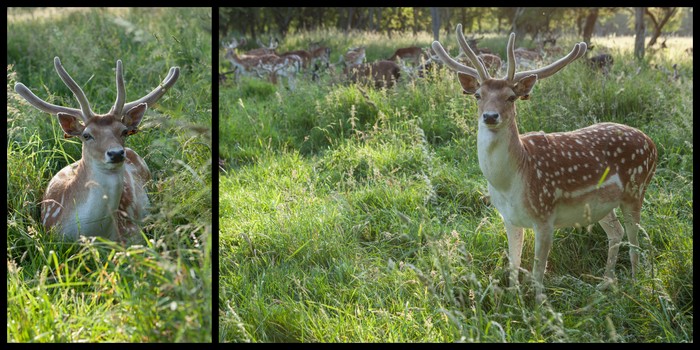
(254, 22)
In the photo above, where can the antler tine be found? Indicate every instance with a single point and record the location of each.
(578, 51)
(121, 91)
(77, 91)
(41, 104)
(159, 91)
(483, 73)
(450, 62)
(510, 51)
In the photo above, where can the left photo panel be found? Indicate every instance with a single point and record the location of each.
(109, 175)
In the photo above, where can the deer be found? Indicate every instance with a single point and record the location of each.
(263, 49)
(269, 65)
(546, 181)
(104, 192)
(354, 56)
(600, 62)
(320, 59)
(382, 73)
(412, 54)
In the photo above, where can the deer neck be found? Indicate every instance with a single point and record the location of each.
(103, 190)
(501, 154)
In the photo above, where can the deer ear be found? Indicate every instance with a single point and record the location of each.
(469, 83)
(132, 118)
(523, 87)
(70, 124)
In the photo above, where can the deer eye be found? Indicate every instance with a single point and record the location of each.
(512, 98)
(87, 137)
(125, 133)
(477, 96)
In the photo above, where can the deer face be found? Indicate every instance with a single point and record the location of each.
(104, 136)
(496, 98)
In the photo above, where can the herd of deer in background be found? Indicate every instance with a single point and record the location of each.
(266, 63)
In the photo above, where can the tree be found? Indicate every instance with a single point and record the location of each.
(666, 14)
(589, 25)
(639, 32)
(435, 14)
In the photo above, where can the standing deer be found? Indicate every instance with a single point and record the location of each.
(103, 193)
(563, 179)
(264, 65)
(413, 54)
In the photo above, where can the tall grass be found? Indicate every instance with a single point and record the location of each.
(97, 290)
(349, 214)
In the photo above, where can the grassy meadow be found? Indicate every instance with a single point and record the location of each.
(350, 214)
(96, 290)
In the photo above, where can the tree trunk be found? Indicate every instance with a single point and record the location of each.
(415, 21)
(639, 32)
(446, 12)
(435, 14)
(519, 32)
(590, 25)
(351, 11)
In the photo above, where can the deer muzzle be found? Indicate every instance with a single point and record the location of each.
(115, 155)
(491, 118)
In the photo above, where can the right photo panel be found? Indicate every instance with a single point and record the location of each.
(455, 174)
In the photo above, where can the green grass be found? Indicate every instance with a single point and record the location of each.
(96, 290)
(357, 215)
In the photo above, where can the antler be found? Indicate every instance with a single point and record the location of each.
(121, 91)
(159, 91)
(578, 51)
(85, 112)
(481, 74)
(450, 62)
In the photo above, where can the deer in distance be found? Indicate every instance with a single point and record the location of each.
(103, 193)
(553, 180)
(413, 54)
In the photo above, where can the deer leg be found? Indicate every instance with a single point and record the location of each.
(515, 250)
(632, 215)
(544, 235)
(613, 229)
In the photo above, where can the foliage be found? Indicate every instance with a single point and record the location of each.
(259, 22)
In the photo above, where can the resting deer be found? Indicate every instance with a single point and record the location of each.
(601, 62)
(547, 181)
(103, 193)
(381, 73)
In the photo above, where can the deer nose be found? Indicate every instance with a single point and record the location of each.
(116, 155)
(490, 118)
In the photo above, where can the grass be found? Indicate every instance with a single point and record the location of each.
(349, 214)
(97, 290)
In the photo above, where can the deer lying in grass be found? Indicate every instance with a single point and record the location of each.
(103, 193)
(564, 179)
(381, 73)
(601, 62)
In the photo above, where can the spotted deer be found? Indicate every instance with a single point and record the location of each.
(263, 65)
(103, 193)
(413, 54)
(555, 180)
